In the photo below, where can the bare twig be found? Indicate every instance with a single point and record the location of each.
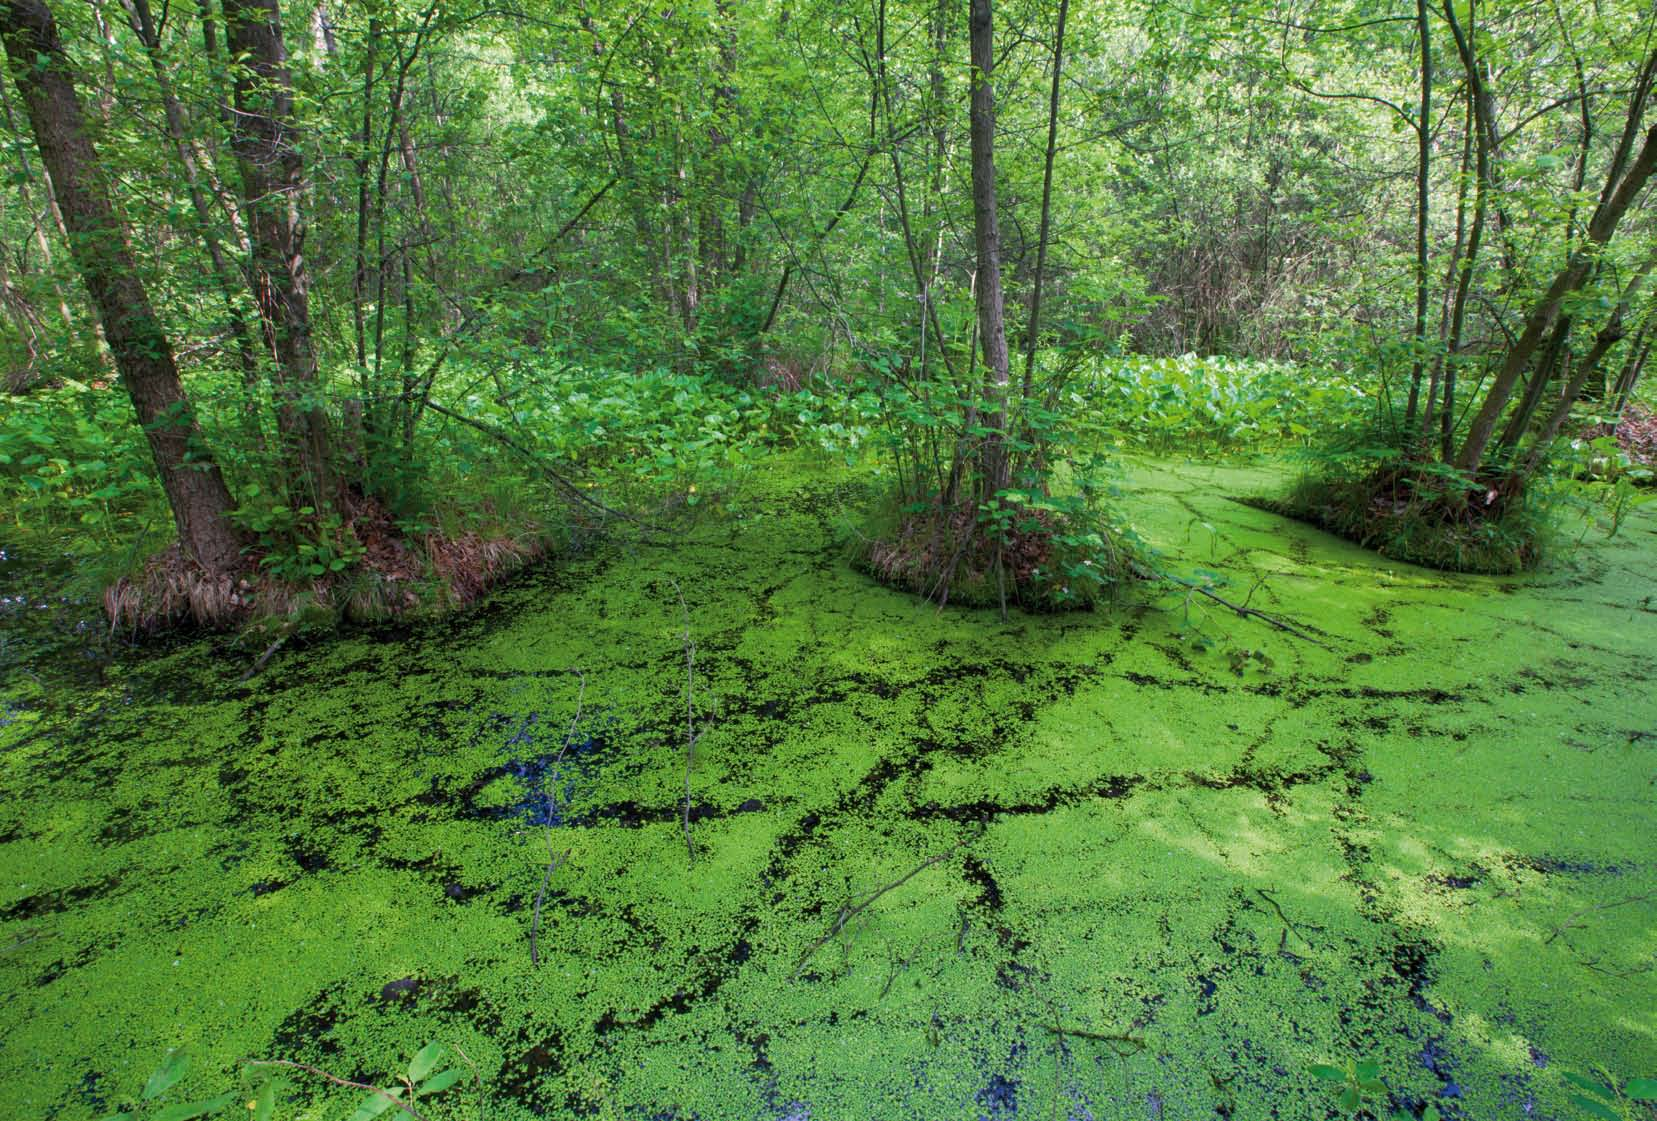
(1572, 922)
(559, 480)
(1242, 609)
(259, 663)
(338, 1081)
(1117, 1040)
(690, 718)
(850, 911)
(1288, 923)
(554, 859)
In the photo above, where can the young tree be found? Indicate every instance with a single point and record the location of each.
(195, 489)
(992, 317)
(273, 180)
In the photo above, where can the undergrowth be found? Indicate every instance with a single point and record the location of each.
(1362, 486)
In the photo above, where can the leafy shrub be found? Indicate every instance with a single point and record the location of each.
(1217, 404)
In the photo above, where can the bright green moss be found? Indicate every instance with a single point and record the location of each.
(1417, 845)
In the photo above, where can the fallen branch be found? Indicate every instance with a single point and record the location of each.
(259, 663)
(554, 860)
(338, 1081)
(1288, 924)
(849, 912)
(1242, 609)
(1571, 922)
(563, 483)
(1116, 1039)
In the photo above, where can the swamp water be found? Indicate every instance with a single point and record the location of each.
(1170, 880)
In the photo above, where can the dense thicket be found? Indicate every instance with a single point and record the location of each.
(378, 240)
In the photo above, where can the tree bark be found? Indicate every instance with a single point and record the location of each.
(194, 487)
(992, 319)
(272, 184)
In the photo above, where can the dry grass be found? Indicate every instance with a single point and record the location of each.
(397, 575)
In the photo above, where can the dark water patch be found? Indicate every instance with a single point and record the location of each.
(1556, 866)
(521, 1076)
(1109, 788)
(307, 1030)
(56, 902)
(546, 781)
(998, 1098)
(1456, 882)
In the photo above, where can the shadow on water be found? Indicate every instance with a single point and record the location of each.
(546, 764)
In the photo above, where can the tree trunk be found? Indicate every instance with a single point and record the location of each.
(1632, 365)
(36, 220)
(992, 320)
(1609, 336)
(1547, 309)
(144, 357)
(272, 183)
(1423, 197)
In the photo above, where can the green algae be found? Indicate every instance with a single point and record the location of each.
(1173, 883)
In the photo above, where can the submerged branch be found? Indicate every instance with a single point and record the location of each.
(554, 860)
(562, 482)
(1242, 609)
(848, 913)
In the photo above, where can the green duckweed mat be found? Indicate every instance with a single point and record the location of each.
(1181, 857)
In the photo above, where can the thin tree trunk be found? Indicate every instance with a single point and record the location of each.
(1482, 130)
(1632, 365)
(1423, 198)
(359, 273)
(1546, 311)
(992, 320)
(1032, 333)
(1536, 388)
(272, 185)
(1609, 336)
(37, 220)
(1430, 412)
(194, 487)
(143, 24)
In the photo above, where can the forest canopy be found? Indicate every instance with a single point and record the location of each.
(402, 290)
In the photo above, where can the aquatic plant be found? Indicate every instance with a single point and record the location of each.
(1604, 1098)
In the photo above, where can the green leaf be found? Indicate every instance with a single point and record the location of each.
(166, 1075)
(1643, 1089)
(264, 1102)
(1367, 1070)
(372, 1106)
(1372, 1086)
(437, 1083)
(1598, 1089)
(1430, 1113)
(1350, 1098)
(184, 1111)
(1597, 1109)
(426, 1061)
